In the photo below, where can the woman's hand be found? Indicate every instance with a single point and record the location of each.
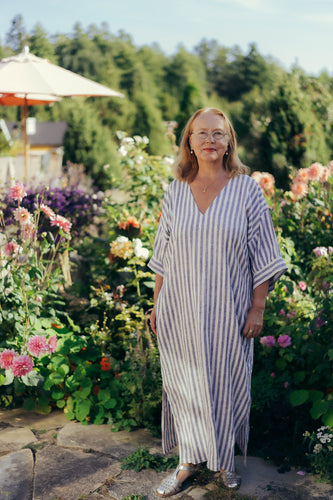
(254, 322)
(153, 321)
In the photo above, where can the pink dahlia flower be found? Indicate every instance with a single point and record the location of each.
(47, 211)
(302, 285)
(22, 365)
(6, 358)
(315, 171)
(52, 344)
(302, 175)
(22, 215)
(299, 189)
(37, 345)
(12, 248)
(284, 341)
(320, 252)
(268, 341)
(62, 222)
(17, 192)
(266, 181)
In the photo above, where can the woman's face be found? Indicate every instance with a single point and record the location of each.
(209, 138)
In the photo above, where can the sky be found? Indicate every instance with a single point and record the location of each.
(290, 31)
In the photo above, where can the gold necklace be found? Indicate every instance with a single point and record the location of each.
(204, 188)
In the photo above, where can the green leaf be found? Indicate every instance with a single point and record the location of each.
(32, 379)
(328, 418)
(82, 409)
(330, 353)
(297, 398)
(318, 409)
(104, 395)
(61, 403)
(56, 378)
(9, 377)
(315, 395)
(72, 383)
(29, 404)
(299, 376)
(111, 403)
(57, 394)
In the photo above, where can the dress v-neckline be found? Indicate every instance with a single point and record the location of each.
(212, 202)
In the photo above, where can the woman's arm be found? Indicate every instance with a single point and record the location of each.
(158, 286)
(254, 319)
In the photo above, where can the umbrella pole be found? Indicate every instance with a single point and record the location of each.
(24, 114)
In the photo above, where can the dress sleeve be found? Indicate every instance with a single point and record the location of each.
(162, 236)
(265, 258)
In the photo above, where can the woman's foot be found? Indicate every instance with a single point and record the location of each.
(174, 483)
(230, 480)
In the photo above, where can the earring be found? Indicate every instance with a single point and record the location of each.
(191, 151)
(226, 153)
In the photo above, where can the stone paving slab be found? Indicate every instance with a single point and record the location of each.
(16, 474)
(101, 438)
(143, 483)
(68, 474)
(23, 418)
(64, 470)
(12, 439)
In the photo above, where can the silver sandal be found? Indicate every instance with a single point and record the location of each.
(230, 480)
(170, 486)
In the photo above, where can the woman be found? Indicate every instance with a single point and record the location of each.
(215, 257)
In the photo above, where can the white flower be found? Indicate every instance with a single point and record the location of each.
(169, 160)
(122, 239)
(317, 449)
(122, 151)
(145, 140)
(164, 185)
(140, 252)
(138, 139)
(325, 439)
(127, 141)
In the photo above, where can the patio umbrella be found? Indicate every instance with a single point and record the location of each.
(26, 76)
(25, 100)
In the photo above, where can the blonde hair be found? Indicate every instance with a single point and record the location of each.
(186, 165)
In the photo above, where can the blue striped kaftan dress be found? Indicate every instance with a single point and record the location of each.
(210, 265)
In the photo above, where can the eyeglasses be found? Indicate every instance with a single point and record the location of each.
(217, 135)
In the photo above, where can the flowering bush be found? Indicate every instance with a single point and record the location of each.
(320, 451)
(100, 363)
(292, 384)
(83, 207)
(29, 279)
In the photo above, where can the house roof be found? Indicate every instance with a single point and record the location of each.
(47, 133)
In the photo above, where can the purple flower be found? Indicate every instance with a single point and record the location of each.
(320, 322)
(284, 341)
(320, 252)
(268, 341)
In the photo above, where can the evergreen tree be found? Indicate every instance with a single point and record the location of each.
(17, 36)
(87, 142)
(40, 44)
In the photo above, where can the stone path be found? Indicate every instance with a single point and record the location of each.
(48, 458)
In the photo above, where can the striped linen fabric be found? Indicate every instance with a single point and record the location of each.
(210, 263)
